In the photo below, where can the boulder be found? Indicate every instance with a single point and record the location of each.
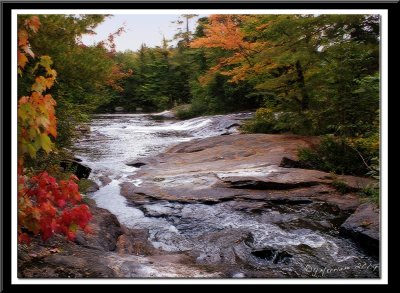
(93, 187)
(363, 227)
(75, 165)
(105, 230)
(134, 241)
(105, 180)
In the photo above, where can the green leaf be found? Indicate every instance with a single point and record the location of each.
(37, 142)
(46, 62)
(46, 143)
(32, 151)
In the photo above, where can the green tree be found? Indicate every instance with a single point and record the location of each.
(86, 74)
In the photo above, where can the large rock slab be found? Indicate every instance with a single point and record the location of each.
(227, 153)
(226, 168)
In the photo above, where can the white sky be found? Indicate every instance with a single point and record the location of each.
(143, 28)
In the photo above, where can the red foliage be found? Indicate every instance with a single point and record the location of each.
(46, 207)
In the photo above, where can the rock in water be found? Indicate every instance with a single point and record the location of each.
(75, 165)
(363, 227)
(135, 164)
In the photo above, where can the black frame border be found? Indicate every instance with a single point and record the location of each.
(5, 101)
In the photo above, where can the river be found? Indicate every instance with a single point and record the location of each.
(242, 243)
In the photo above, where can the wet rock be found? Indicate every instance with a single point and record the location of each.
(160, 209)
(251, 207)
(278, 178)
(266, 149)
(127, 188)
(220, 124)
(176, 265)
(232, 125)
(325, 224)
(273, 255)
(77, 168)
(93, 186)
(136, 164)
(363, 227)
(222, 250)
(92, 256)
(105, 231)
(134, 194)
(134, 241)
(218, 169)
(105, 180)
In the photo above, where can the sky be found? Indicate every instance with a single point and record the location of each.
(140, 28)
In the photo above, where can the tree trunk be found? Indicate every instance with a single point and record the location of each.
(305, 99)
(187, 31)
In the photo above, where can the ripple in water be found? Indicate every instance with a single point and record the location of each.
(215, 233)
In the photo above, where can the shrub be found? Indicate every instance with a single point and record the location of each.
(334, 155)
(263, 122)
(184, 114)
(266, 120)
(190, 111)
(371, 193)
(340, 186)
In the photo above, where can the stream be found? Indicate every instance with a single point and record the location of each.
(253, 240)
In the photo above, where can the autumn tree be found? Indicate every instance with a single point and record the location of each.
(88, 76)
(310, 73)
(287, 58)
(45, 206)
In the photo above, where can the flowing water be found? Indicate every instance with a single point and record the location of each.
(251, 240)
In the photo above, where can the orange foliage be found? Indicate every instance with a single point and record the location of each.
(223, 31)
(117, 74)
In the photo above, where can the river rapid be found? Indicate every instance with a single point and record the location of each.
(276, 241)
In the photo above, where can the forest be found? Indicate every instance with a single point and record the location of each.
(311, 75)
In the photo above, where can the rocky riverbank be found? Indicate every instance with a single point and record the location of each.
(110, 251)
(253, 171)
(224, 206)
